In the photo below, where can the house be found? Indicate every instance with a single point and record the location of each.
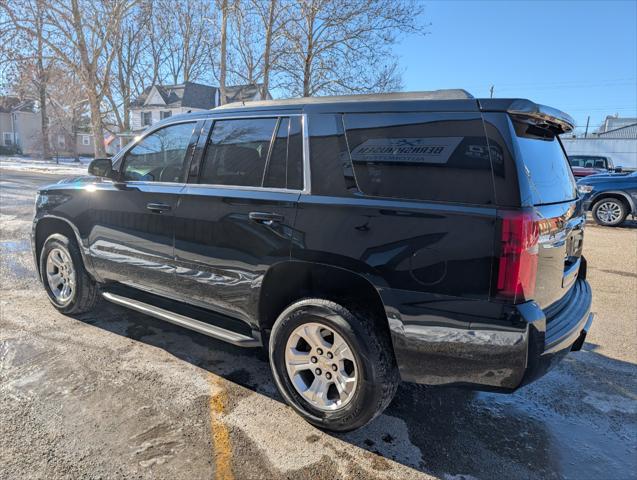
(21, 131)
(245, 93)
(615, 122)
(19, 126)
(616, 138)
(162, 101)
(628, 130)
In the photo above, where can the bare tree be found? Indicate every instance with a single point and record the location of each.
(244, 44)
(42, 73)
(132, 62)
(272, 28)
(79, 33)
(254, 42)
(183, 25)
(341, 46)
(68, 106)
(30, 57)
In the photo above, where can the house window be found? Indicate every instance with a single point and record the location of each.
(165, 114)
(147, 118)
(61, 142)
(7, 138)
(86, 140)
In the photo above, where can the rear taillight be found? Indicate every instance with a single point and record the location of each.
(517, 267)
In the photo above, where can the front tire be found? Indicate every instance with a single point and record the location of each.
(332, 365)
(609, 212)
(67, 283)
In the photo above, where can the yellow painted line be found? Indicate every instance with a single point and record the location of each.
(222, 452)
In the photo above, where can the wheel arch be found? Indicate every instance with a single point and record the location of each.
(617, 194)
(293, 280)
(49, 225)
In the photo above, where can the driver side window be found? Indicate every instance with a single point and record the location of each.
(159, 157)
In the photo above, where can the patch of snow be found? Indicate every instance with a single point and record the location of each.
(64, 165)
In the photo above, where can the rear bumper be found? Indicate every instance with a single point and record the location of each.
(502, 355)
(564, 329)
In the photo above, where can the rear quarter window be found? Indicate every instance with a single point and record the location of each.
(421, 156)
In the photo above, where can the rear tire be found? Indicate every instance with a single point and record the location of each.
(332, 365)
(67, 283)
(610, 212)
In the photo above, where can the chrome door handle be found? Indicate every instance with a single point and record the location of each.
(158, 207)
(268, 219)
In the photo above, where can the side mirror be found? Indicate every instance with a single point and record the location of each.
(619, 169)
(101, 167)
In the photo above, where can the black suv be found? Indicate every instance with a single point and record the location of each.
(426, 237)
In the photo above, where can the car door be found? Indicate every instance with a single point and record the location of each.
(132, 232)
(236, 214)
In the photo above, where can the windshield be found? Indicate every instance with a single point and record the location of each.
(588, 161)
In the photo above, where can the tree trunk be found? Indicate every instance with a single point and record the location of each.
(96, 125)
(42, 83)
(307, 64)
(44, 122)
(126, 109)
(267, 52)
(74, 119)
(222, 62)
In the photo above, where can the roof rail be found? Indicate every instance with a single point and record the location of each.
(450, 94)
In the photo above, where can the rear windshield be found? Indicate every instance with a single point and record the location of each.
(588, 162)
(545, 166)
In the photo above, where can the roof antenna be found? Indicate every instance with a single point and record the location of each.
(243, 103)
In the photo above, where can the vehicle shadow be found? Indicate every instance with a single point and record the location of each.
(445, 432)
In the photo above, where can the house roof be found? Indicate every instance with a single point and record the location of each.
(187, 94)
(10, 104)
(242, 93)
(195, 95)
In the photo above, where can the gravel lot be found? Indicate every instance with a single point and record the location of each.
(116, 394)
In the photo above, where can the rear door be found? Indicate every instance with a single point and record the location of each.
(236, 215)
(132, 220)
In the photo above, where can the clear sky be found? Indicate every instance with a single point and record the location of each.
(578, 56)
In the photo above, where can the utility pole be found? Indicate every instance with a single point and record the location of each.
(588, 119)
(491, 90)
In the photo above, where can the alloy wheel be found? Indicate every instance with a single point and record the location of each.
(321, 366)
(60, 275)
(609, 212)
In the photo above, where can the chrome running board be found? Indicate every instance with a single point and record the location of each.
(183, 321)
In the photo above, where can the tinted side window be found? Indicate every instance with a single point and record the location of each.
(276, 171)
(237, 151)
(438, 157)
(329, 158)
(295, 155)
(159, 157)
(285, 167)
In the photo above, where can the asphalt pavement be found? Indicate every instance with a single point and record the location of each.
(117, 394)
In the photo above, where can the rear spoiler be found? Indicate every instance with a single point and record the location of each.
(529, 112)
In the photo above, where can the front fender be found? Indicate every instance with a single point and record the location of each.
(52, 225)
